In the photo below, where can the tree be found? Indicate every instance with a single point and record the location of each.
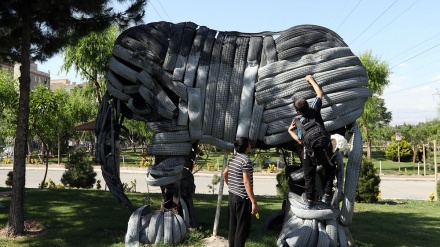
(8, 104)
(36, 30)
(137, 133)
(90, 57)
(368, 185)
(400, 149)
(382, 136)
(82, 107)
(375, 113)
(79, 171)
(43, 119)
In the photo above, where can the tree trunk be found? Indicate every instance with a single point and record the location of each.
(97, 86)
(369, 149)
(368, 140)
(59, 149)
(29, 143)
(46, 161)
(16, 211)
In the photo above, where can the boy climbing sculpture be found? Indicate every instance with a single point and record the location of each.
(317, 148)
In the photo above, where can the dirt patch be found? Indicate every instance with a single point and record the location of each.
(31, 228)
(215, 241)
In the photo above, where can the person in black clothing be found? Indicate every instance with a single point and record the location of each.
(318, 152)
(238, 176)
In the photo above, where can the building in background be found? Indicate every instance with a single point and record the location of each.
(61, 83)
(40, 77)
(37, 77)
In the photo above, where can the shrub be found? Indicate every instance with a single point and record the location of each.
(368, 185)
(406, 152)
(144, 163)
(8, 181)
(79, 170)
(98, 184)
(7, 161)
(282, 187)
(271, 168)
(431, 197)
(438, 190)
(260, 158)
(51, 184)
(214, 182)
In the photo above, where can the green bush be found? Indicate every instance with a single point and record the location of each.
(282, 187)
(406, 152)
(438, 190)
(368, 185)
(79, 170)
(8, 181)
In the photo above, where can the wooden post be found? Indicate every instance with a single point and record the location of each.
(398, 153)
(220, 195)
(424, 161)
(435, 171)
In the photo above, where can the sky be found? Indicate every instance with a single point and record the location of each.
(402, 33)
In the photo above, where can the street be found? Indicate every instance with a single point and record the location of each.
(392, 187)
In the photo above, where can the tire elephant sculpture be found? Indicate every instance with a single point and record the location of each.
(193, 85)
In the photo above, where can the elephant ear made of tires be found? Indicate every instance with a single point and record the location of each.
(194, 85)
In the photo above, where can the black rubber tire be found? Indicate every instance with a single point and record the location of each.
(235, 89)
(274, 222)
(211, 87)
(222, 92)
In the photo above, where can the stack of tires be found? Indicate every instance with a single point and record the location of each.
(194, 85)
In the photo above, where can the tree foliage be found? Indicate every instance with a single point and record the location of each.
(90, 57)
(8, 104)
(375, 113)
(138, 133)
(36, 30)
(43, 115)
(79, 171)
(402, 148)
(368, 185)
(377, 70)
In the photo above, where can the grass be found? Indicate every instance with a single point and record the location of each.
(406, 168)
(94, 218)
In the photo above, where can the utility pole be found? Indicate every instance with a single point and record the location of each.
(435, 171)
(436, 93)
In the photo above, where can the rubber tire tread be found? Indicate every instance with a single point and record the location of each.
(352, 176)
(195, 113)
(171, 137)
(173, 164)
(203, 68)
(173, 48)
(235, 89)
(207, 139)
(211, 86)
(165, 126)
(302, 40)
(285, 65)
(221, 96)
(273, 219)
(162, 181)
(170, 149)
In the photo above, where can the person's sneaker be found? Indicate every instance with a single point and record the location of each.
(326, 198)
(308, 202)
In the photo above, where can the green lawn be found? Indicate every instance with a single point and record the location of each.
(94, 218)
(406, 168)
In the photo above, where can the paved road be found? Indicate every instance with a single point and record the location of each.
(392, 187)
